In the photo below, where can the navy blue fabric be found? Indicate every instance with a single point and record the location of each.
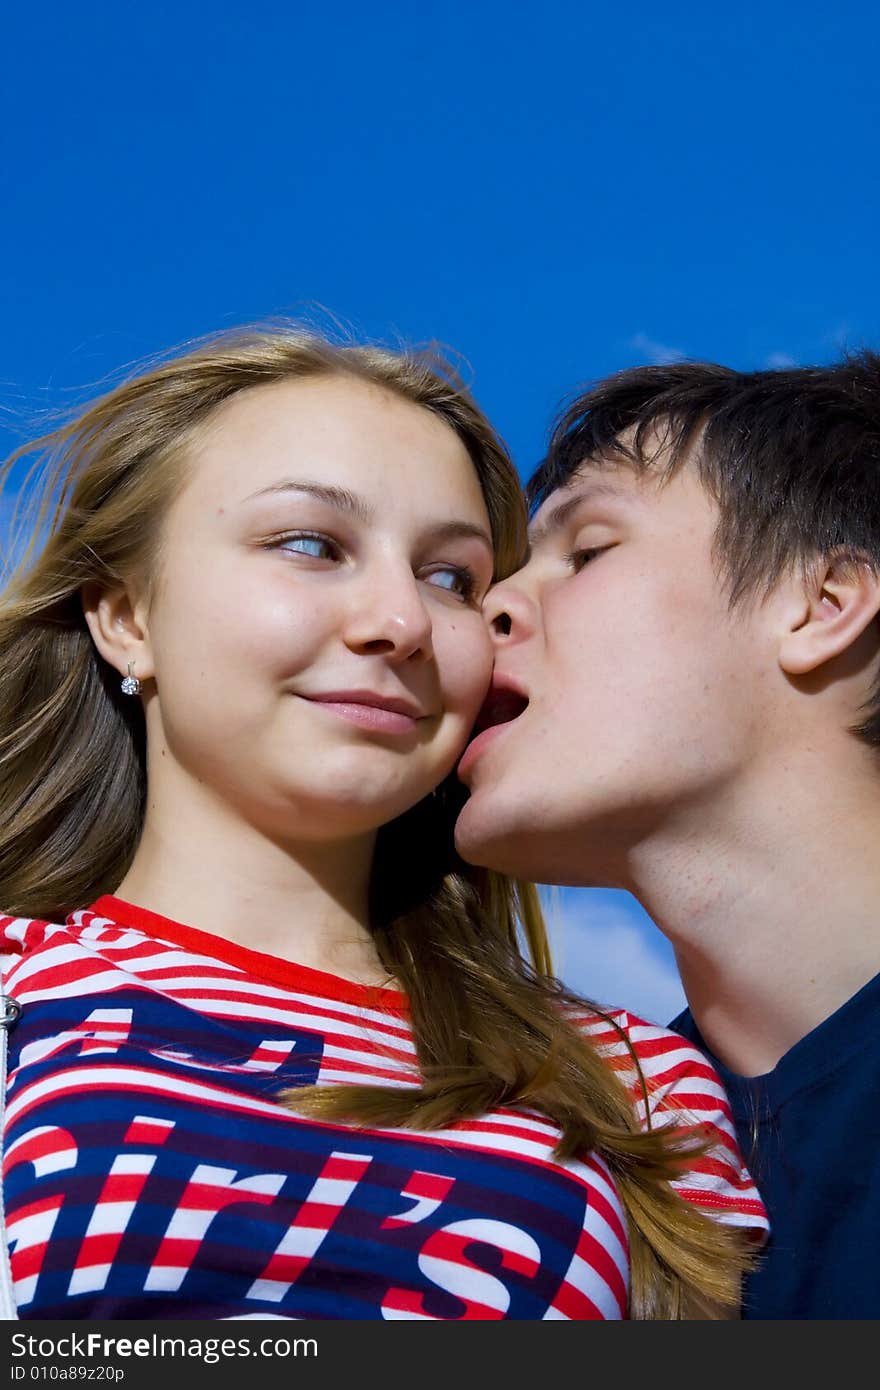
(810, 1134)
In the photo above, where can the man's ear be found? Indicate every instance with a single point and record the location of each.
(118, 626)
(837, 603)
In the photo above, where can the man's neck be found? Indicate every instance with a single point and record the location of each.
(773, 911)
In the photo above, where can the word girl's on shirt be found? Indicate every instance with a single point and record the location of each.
(150, 1170)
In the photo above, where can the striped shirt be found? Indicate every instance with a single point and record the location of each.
(150, 1171)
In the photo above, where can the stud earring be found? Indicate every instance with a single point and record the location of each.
(130, 683)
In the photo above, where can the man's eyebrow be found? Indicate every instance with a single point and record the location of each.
(345, 501)
(338, 497)
(561, 513)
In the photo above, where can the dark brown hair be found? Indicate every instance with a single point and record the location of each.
(792, 458)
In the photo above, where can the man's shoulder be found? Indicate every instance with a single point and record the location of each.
(684, 1024)
(847, 1039)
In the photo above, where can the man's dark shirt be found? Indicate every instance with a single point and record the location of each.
(810, 1134)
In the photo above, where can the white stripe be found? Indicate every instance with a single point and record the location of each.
(184, 960)
(109, 1219)
(357, 1078)
(52, 1161)
(596, 1225)
(590, 1282)
(16, 927)
(107, 982)
(112, 980)
(89, 1279)
(499, 1143)
(253, 1009)
(705, 1182)
(372, 1059)
(49, 958)
(90, 1078)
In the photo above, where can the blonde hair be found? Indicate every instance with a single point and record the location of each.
(490, 1027)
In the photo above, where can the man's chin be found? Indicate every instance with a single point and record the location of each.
(482, 838)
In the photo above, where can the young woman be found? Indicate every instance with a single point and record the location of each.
(279, 1052)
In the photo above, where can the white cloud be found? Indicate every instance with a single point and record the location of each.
(661, 354)
(606, 947)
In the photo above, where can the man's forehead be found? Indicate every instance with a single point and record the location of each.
(592, 482)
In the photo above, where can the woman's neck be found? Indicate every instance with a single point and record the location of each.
(302, 901)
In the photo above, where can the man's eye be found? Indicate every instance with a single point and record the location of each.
(455, 580)
(309, 543)
(577, 559)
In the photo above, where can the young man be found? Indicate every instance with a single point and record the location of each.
(686, 705)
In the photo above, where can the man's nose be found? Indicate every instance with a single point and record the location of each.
(508, 611)
(389, 618)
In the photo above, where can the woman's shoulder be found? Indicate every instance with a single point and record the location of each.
(618, 1029)
(658, 1064)
(21, 934)
(672, 1083)
(17, 928)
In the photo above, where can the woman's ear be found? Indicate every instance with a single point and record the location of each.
(119, 630)
(838, 602)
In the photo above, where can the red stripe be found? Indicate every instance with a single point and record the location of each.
(609, 1214)
(318, 1216)
(450, 1245)
(40, 1145)
(176, 1253)
(343, 1168)
(146, 1131)
(268, 967)
(99, 1249)
(122, 1187)
(573, 1303)
(597, 1258)
(284, 1269)
(27, 1260)
(408, 1301)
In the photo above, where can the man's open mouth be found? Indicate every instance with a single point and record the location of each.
(501, 706)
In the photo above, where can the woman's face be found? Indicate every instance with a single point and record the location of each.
(315, 633)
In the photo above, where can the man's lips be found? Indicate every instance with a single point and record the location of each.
(502, 706)
(387, 714)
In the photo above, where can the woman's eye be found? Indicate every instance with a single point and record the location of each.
(456, 581)
(308, 543)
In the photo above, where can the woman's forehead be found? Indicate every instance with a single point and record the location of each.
(357, 441)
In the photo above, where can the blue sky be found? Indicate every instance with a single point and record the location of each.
(553, 192)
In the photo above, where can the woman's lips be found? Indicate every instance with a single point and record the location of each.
(381, 718)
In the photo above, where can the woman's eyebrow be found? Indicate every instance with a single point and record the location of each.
(459, 530)
(345, 501)
(561, 513)
(338, 497)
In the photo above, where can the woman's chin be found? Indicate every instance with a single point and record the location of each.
(348, 814)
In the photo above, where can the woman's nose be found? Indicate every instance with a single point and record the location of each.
(391, 619)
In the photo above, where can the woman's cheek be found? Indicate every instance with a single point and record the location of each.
(466, 666)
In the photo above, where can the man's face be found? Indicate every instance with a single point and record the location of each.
(647, 697)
